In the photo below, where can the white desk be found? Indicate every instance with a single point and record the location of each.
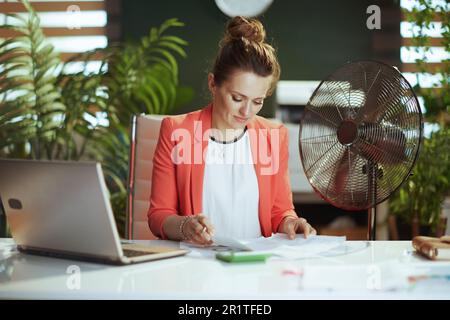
(364, 274)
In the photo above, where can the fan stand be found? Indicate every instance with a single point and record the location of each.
(372, 192)
(347, 134)
(371, 223)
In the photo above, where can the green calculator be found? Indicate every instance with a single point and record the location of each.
(242, 256)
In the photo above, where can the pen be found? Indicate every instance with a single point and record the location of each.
(208, 237)
(208, 234)
(205, 228)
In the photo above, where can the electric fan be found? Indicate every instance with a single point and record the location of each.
(360, 135)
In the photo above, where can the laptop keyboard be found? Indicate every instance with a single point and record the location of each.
(135, 253)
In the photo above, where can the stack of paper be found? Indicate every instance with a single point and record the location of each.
(281, 246)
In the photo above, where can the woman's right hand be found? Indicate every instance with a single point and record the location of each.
(197, 229)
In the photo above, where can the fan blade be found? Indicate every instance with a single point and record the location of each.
(341, 176)
(325, 115)
(387, 89)
(381, 144)
(343, 169)
(372, 93)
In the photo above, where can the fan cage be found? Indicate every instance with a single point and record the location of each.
(382, 105)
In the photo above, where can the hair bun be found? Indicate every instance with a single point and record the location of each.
(250, 29)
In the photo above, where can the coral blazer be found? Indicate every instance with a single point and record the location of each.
(177, 184)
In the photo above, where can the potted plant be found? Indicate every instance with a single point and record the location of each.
(417, 205)
(418, 202)
(47, 114)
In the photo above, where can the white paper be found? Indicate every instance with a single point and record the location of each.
(299, 247)
(279, 245)
(231, 243)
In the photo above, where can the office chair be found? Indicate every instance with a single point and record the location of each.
(144, 137)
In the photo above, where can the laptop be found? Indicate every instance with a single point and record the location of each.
(61, 209)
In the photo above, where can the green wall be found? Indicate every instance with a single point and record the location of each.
(312, 37)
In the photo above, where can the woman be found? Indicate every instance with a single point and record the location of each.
(223, 169)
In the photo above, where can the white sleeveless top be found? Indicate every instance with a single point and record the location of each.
(230, 189)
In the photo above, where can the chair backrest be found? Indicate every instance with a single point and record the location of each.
(144, 137)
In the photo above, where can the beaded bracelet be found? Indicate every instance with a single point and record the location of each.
(183, 235)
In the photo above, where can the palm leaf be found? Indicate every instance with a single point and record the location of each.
(27, 62)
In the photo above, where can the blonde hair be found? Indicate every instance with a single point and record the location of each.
(243, 47)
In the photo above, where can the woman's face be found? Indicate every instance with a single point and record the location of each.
(238, 99)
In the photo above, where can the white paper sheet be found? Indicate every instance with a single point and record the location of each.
(232, 243)
(279, 245)
(299, 247)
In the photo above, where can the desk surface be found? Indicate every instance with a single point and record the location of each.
(377, 271)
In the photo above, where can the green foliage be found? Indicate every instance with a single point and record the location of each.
(31, 111)
(44, 111)
(436, 100)
(422, 194)
(111, 148)
(144, 75)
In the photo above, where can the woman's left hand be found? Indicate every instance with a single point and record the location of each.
(292, 226)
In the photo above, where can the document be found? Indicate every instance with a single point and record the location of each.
(278, 245)
(300, 247)
(281, 246)
(231, 243)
